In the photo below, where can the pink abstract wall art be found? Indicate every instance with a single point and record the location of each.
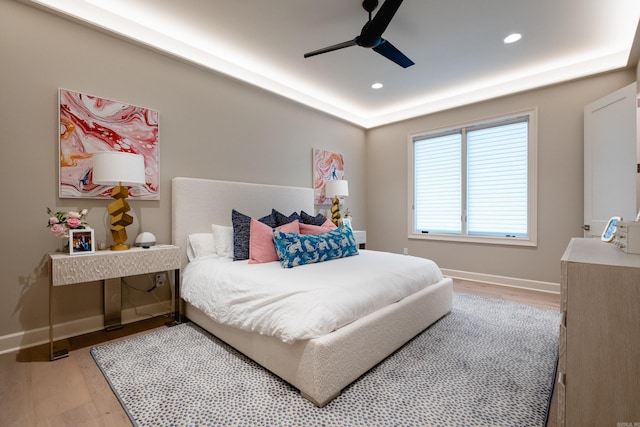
(89, 124)
(326, 166)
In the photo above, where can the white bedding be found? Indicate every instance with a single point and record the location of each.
(304, 302)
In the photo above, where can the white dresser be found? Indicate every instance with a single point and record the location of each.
(599, 364)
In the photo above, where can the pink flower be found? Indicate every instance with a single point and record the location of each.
(61, 222)
(74, 222)
(59, 230)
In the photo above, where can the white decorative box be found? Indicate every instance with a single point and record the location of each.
(627, 237)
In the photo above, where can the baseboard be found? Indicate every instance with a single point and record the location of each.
(512, 282)
(26, 339)
(33, 337)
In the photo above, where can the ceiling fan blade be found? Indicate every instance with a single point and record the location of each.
(389, 51)
(380, 22)
(331, 48)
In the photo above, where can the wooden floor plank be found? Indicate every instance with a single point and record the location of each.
(519, 295)
(106, 403)
(84, 415)
(16, 407)
(58, 387)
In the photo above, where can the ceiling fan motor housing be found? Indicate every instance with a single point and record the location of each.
(371, 34)
(370, 5)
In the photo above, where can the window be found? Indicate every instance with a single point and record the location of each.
(475, 182)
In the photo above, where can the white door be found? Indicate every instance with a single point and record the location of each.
(610, 159)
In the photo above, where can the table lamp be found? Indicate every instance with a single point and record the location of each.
(120, 170)
(336, 188)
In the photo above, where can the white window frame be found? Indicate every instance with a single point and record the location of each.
(532, 233)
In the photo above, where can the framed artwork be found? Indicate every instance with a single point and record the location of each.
(326, 166)
(89, 124)
(81, 241)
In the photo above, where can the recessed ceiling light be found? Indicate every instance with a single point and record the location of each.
(512, 38)
(377, 86)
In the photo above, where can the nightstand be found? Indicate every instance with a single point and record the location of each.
(361, 238)
(109, 267)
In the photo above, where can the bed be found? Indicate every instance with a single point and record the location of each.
(319, 367)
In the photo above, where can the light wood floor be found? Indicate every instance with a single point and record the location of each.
(73, 392)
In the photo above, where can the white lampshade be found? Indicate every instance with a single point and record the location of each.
(336, 188)
(114, 167)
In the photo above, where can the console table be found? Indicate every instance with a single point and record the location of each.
(109, 267)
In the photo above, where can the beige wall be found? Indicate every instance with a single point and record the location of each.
(560, 182)
(210, 126)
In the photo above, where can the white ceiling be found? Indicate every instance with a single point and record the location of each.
(456, 46)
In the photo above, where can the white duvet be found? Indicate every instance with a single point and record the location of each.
(307, 301)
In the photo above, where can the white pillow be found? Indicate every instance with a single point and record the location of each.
(199, 245)
(223, 240)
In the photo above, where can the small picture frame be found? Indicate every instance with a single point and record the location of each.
(609, 232)
(81, 241)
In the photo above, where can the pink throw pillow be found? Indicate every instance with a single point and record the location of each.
(317, 229)
(261, 245)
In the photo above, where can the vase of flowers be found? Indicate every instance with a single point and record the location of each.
(61, 222)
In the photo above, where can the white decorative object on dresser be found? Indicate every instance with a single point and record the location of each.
(598, 367)
(627, 236)
(110, 266)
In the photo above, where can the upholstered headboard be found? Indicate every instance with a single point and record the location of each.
(197, 203)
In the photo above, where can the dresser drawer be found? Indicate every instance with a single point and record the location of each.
(562, 346)
(627, 237)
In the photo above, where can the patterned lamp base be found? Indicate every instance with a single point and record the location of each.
(119, 217)
(335, 212)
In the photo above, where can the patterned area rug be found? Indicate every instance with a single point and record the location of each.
(488, 363)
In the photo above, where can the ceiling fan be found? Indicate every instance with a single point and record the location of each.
(371, 34)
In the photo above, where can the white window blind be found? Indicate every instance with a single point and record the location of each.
(438, 179)
(473, 181)
(497, 180)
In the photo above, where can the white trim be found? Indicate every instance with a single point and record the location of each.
(467, 238)
(25, 339)
(512, 282)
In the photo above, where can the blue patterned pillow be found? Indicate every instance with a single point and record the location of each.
(298, 249)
